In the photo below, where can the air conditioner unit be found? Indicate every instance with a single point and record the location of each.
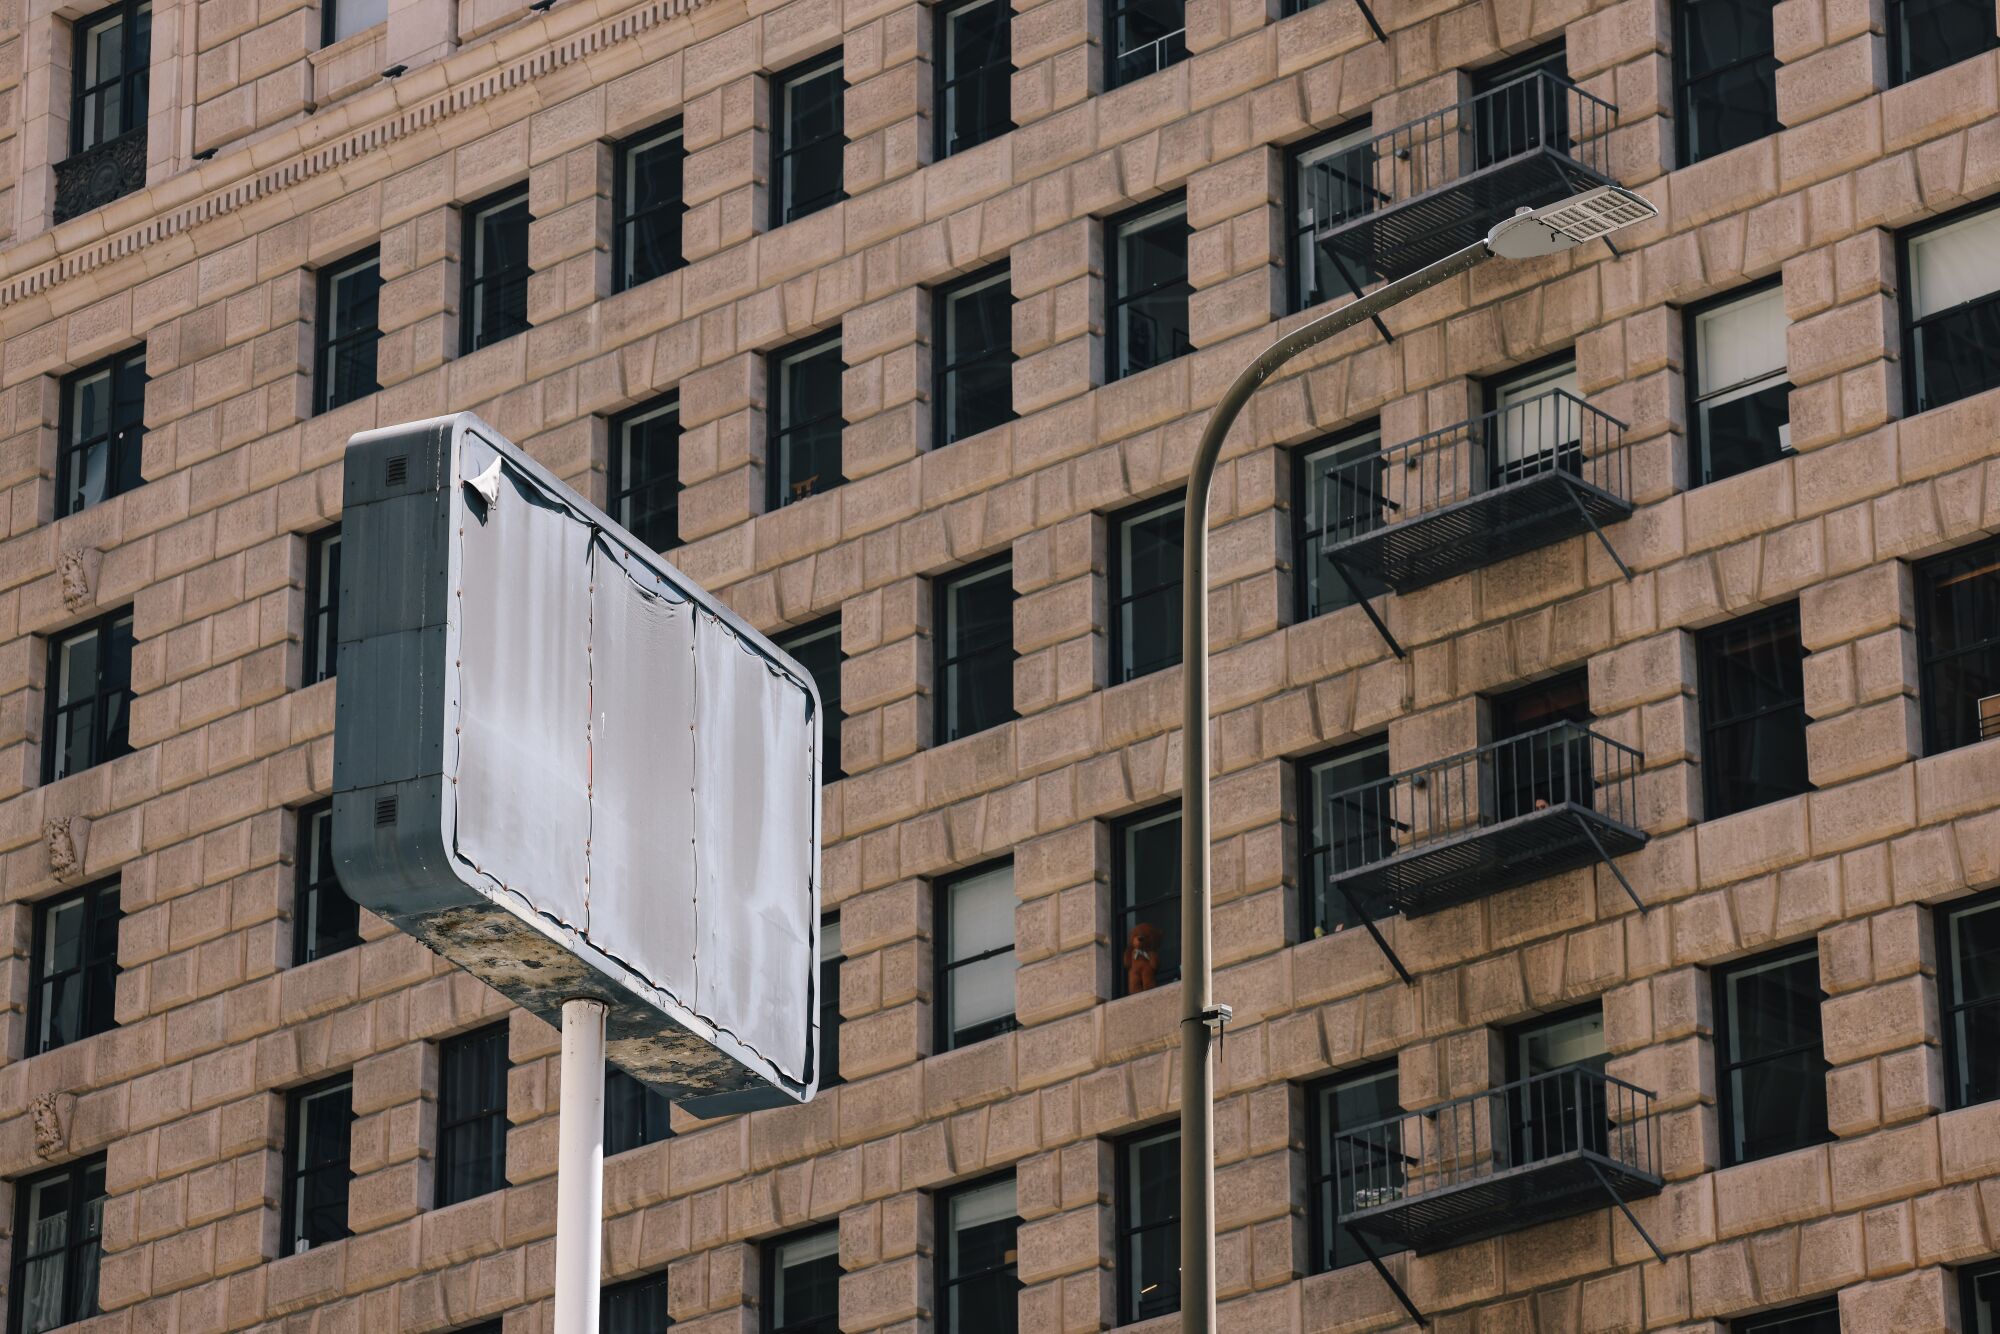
(1989, 717)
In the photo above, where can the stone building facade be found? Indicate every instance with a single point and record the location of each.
(1786, 653)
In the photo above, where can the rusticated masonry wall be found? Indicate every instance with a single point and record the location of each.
(210, 266)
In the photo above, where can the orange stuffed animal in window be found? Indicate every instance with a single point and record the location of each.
(1142, 958)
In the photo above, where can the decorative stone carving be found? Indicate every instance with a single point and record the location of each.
(65, 836)
(51, 1115)
(77, 569)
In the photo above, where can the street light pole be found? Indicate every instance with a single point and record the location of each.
(1527, 234)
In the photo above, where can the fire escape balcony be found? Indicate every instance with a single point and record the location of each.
(1404, 198)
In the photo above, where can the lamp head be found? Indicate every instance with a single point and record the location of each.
(1570, 222)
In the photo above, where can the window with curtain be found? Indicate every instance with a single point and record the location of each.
(802, 1283)
(1739, 394)
(974, 931)
(1951, 309)
(1537, 425)
(58, 1226)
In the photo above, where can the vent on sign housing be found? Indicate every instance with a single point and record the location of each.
(385, 811)
(397, 470)
(1595, 213)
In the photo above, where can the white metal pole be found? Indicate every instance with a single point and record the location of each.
(580, 1168)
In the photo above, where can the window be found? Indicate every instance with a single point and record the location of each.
(1739, 401)
(1339, 496)
(645, 472)
(495, 258)
(975, 353)
(111, 73)
(1147, 542)
(327, 921)
(816, 647)
(1547, 1117)
(472, 1115)
(1821, 1317)
(1969, 993)
(1927, 35)
(1521, 105)
(1147, 855)
(829, 1001)
(635, 1307)
(317, 1125)
(74, 981)
(647, 208)
(1333, 182)
(1770, 1067)
(802, 1283)
(806, 103)
(975, 935)
(1951, 336)
(1979, 1289)
(1347, 1102)
(90, 696)
(1348, 808)
(975, 74)
(806, 422)
(1536, 768)
(976, 1258)
(1725, 76)
(322, 638)
(1537, 423)
(1148, 1260)
(341, 19)
(348, 330)
(1146, 37)
(1751, 675)
(1149, 287)
(103, 423)
(635, 1114)
(58, 1220)
(975, 630)
(1958, 646)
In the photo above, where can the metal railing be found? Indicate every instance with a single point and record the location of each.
(1150, 58)
(1575, 1110)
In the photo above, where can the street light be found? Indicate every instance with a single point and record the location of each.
(1529, 234)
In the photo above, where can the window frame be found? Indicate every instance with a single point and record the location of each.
(948, 659)
(1115, 228)
(330, 23)
(104, 748)
(783, 150)
(124, 440)
(827, 1053)
(1906, 297)
(768, 1311)
(296, 1171)
(653, 1112)
(944, 369)
(625, 219)
(1683, 80)
(1968, 1295)
(1115, 565)
(473, 283)
(782, 430)
(77, 1173)
(1929, 691)
(1899, 50)
(1949, 970)
(135, 84)
(322, 625)
(1774, 1321)
(806, 637)
(1327, 1236)
(310, 891)
(1725, 1066)
(1124, 910)
(1125, 1227)
(327, 344)
(651, 1286)
(944, 965)
(1360, 129)
(1115, 10)
(1707, 651)
(1304, 554)
(618, 493)
(447, 1122)
(94, 897)
(1700, 467)
(945, 85)
(945, 1280)
(1315, 909)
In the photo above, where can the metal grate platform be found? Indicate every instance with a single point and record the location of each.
(1506, 1201)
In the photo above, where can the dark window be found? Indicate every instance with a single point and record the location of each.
(1753, 712)
(1980, 1297)
(1951, 309)
(1821, 1317)
(74, 983)
(976, 1258)
(1340, 496)
(802, 1283)
(975, 635)
(1146, 849)
(495, 259)
(472, 1115)
(975, 949)
(646, 204)
(805, 420)
(1739, 399)
(317, 1125)
(645, 472)
(1333, 182)
(322, 638)
(103, 424)
(58, 1220)
(90, 696)
(1521, 105)
(1535, 768)
(1351, 823)
(1770, 1067)
(829, 1001)
(1147, 542)
(341, 19)
(1149, 287)
(1538, 425)
(1725, 75)
(1969, 992)
(638, 1306)
(1958, 646)
(1146, 36)
(1927, 35)
(816, 647)
(806, 104)
(326, 921)
(975, 74)
(1547, 1117)
(348, 330)
(110, 73)
(635, 1113)
(975, 353)
(1347, 1102)
(1148, 1260)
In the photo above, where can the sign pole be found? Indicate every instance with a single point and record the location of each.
(580, 1168)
